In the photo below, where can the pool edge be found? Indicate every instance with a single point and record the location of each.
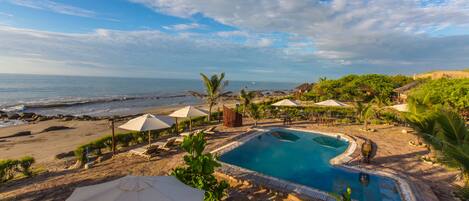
(340, 160)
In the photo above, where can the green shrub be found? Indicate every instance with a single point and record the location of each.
(25, 164)
(199, 168)
(124, 139)
(9, 168)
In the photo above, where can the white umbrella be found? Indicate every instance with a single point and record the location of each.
(188, 112)
(138, 188)
(148, 122)
(286, 102)
(400, 107)
(332, 103)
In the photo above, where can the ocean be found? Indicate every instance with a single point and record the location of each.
(104, 96)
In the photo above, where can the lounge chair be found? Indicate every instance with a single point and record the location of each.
(210, 130)
(179, 140)
(186, 134)
(146, 151)
(165, 145)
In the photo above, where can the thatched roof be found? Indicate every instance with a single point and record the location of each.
(407, 87)
(304, 87)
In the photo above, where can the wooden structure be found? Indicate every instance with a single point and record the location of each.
(231, 118)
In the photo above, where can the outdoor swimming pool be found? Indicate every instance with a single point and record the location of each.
(303, 158)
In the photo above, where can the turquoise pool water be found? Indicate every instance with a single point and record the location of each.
(303, 158)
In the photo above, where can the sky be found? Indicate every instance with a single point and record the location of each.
(260, 40)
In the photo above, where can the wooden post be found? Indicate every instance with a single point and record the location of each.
(113, 137)
(149, 138)
(177, 125)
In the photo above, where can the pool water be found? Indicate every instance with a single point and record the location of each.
(303, 158)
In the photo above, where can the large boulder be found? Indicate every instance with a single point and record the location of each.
(13, 116)
(55, 128)
(18, 134)
(65, 155)
(26, 115)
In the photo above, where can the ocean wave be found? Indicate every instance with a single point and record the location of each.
(69, 102)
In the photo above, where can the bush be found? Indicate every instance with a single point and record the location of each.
(199, 168)
(452, 93)
(25, 164)
(9, 168)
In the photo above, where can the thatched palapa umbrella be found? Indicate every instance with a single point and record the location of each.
(187, 112)
(148, 122)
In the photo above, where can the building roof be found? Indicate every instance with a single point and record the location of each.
(304, 87)
(407, 87)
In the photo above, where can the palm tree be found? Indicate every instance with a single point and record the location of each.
(246, 97)
(214, 90)
(254, 112)
(367, 112)
(445, 131)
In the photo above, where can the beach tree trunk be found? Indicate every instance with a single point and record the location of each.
(366, 124)
(210, 112)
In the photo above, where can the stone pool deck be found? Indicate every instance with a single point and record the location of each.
(302, 191)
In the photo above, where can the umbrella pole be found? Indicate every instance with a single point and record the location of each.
(177, 126)
(190, 124)
(149, 138)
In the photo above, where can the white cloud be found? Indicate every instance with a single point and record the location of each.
(183, 27)
(232, 34)
(6, 14)
(351, 33)
(54, 7)
(264, 42)
(148, 53)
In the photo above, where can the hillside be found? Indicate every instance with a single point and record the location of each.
(444, 74)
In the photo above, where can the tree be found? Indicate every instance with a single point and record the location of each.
(254, 112)
(246, 97)
(199, 168)
(214, 90)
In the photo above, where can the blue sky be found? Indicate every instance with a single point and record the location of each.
(275, 40)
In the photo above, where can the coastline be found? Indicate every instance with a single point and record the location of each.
(44, 146)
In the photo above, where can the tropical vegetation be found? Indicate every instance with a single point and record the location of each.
(246, 98)
(446, 133)
(443, 92)
(199, 168)
(213, 90)
(357, 88)
(9, 168)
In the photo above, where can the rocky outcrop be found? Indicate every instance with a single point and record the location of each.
(55, 128)
(18, 134)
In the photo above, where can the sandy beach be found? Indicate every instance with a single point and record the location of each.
(44, 146)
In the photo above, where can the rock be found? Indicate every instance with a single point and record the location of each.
(55, 128)
(18, 134)
(13, 116)
(43, 118)
(89, 165)
(67, 119)
(86, 117)
(26, 115)
(65, 155)
(103, 158)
